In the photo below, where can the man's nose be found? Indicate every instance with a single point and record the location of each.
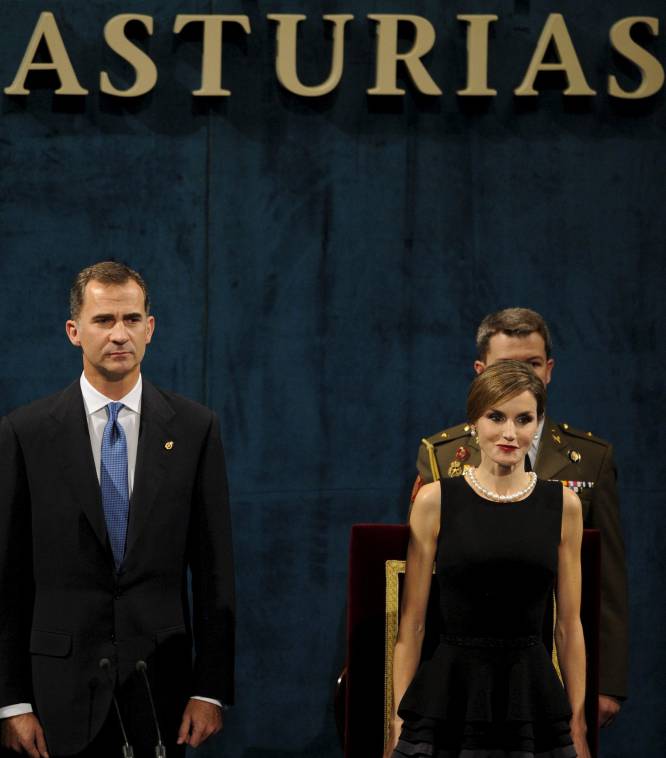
(119, 332)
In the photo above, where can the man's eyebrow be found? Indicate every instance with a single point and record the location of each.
(105, 316)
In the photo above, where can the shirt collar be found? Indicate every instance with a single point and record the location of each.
(539, 432)
(95, 401)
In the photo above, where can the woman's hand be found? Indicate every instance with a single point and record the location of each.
(395, 727)
(579, 737)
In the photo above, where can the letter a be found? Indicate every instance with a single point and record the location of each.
(555, 31)
(47, 30)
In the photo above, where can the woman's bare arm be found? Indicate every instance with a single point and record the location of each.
(568, 628)
(423, 531)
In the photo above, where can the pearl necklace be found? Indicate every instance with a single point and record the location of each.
(471, 475)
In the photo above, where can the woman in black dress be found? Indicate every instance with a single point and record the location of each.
(499, 538)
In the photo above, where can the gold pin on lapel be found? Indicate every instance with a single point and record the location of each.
(168, 445)
(557, 439)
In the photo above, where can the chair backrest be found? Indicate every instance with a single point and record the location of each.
(376, 561)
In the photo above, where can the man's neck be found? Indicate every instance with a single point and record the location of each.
(114, 389)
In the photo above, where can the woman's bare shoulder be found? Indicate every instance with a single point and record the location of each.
(571, 503)
(572, 515)
(426, 507)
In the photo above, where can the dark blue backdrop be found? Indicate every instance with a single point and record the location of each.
(318, 268)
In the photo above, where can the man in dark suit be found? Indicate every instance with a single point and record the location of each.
(109, 491)
(580, 460)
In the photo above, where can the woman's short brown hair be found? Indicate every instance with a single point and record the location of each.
(501, 381)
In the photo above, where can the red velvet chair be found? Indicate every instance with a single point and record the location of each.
(376, 561)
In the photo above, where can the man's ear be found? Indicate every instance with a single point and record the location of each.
(150, 328)
(73, 332)
(549, 369)
(479, 367)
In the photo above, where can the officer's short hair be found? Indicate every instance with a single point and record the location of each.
(514, 322)
(105, 272)
(500, 382)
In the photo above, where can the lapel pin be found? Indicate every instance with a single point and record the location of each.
(168, 445)
(557, 439)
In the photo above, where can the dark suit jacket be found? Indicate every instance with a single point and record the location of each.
(63, 607)
(584, 462)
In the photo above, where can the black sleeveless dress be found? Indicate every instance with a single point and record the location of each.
(489, 689)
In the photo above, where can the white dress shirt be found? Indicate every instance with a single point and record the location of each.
(536, 440)
(129, 418)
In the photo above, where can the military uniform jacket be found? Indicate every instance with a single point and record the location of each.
(584, 463)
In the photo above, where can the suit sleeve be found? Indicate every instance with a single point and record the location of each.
(211, 562)
(16, 582)
(604, 514)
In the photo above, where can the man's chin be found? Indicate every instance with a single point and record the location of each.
(118, 371)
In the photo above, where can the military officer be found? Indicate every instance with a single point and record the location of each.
(579, 459)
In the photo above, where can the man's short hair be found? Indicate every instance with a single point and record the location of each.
(105, 272)
(514, 322)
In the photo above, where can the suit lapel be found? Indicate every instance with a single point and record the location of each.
(551, 457)
(71, 444)
(151, 461)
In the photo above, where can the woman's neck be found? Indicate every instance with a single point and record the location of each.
(501, 479)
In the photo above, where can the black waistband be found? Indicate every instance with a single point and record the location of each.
(501, 642)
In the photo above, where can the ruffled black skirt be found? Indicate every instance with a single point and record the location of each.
(429, 738)
(476, 702)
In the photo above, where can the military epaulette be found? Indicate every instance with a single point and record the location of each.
(571, 432)
(454, 433)
(448, 435)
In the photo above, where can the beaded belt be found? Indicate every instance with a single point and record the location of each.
(501, 642)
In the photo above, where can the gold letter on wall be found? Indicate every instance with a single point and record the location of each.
(388, 55)
(285, 61)
(555, 31)
(211, 67)
(477, 55)
(47, 30)
(146, 71)
(652, 72)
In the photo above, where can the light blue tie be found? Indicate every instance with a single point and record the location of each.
(113, 482)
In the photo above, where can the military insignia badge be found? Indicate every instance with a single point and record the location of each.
(575, 456)
(576, 486)
(462, 454)
(455, 468)
(556, 438)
